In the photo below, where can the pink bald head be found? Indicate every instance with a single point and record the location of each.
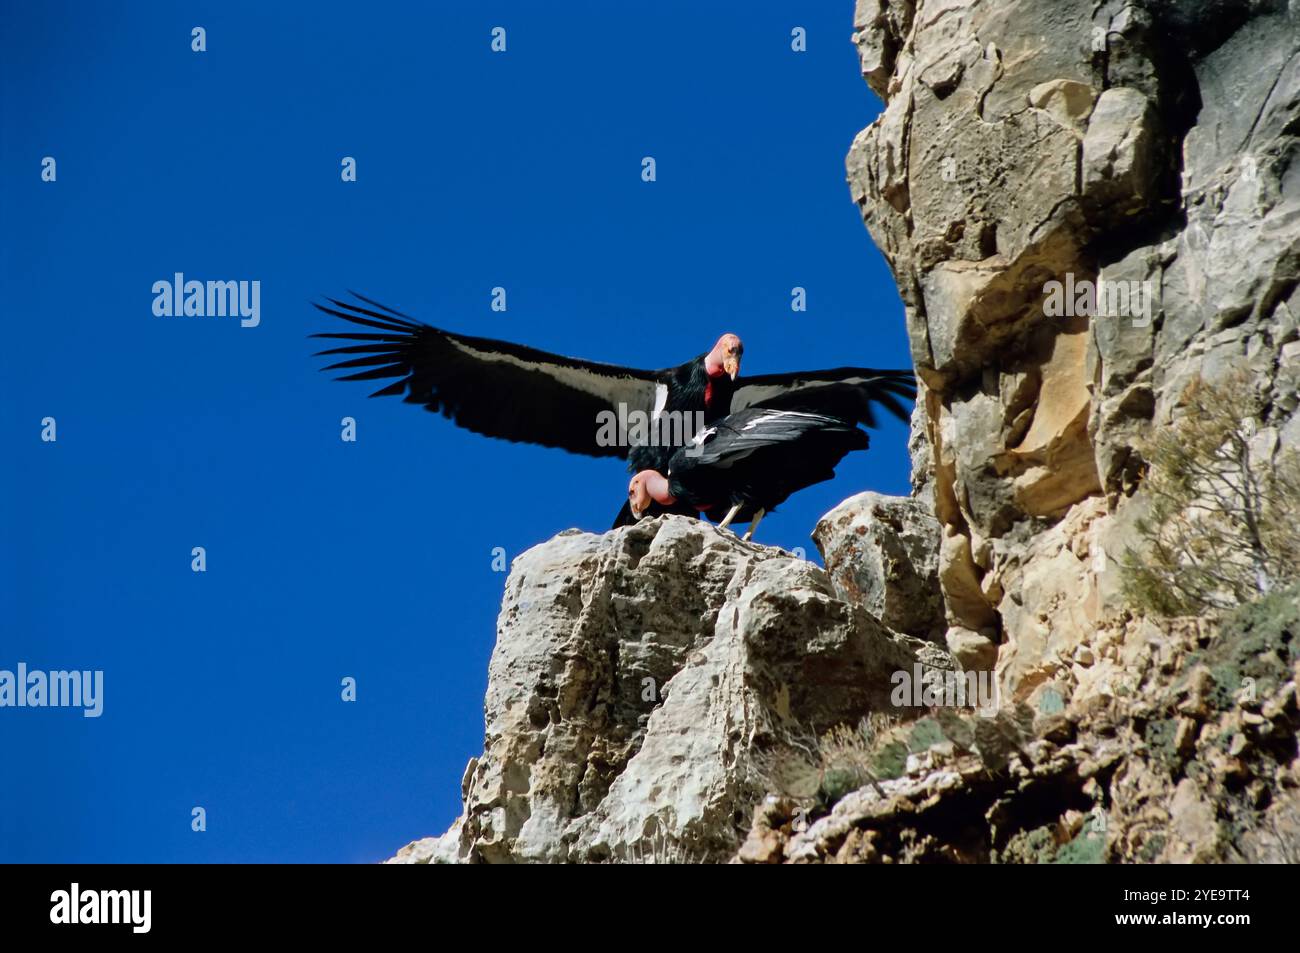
(725, 357)
(646, 486)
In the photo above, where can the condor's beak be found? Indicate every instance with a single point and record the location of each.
(732, 366)
(637, 515)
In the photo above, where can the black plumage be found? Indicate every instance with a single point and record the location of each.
(491, 387)
(518, 393)
(848, 403)
(753, 461)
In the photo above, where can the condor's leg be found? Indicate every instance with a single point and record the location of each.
(731, 515)
(753, 524)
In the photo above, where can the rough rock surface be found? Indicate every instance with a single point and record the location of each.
(1151, 142)
(1162, 759)
(636, 676)
(883, 552)
(1150, 146)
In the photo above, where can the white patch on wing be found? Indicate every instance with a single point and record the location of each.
(781, 415)
(749, 394)
(614, 388)
(661, 401)
(703, 435)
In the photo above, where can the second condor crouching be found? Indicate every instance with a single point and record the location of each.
(747, 464)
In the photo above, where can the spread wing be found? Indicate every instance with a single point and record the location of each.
(491, 387)
(850, 393)
(739, 436)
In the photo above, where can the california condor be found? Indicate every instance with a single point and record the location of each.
(519, 393)
(747, 464)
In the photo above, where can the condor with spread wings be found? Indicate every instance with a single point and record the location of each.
(519, 393)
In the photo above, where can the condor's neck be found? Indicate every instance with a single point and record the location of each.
(716, 393)
(656, 485)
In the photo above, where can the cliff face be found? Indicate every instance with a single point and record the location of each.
(668, 692)
(1146, 148)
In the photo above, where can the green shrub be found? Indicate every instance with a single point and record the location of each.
(1223, 525)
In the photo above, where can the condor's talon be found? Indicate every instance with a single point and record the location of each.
(731, 515)
(758, 518)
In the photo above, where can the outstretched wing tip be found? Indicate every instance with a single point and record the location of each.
(551, 400)
(371, 301)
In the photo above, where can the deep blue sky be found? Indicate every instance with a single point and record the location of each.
(371, 560)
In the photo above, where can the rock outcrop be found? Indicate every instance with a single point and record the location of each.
(1173, 762)
(637, 678)
(1145, 156)
(882, 552)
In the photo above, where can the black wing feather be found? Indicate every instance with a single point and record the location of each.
(849, 393)
(491, 387)
(757, 429)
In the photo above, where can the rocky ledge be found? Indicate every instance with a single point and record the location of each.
(637, 679)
